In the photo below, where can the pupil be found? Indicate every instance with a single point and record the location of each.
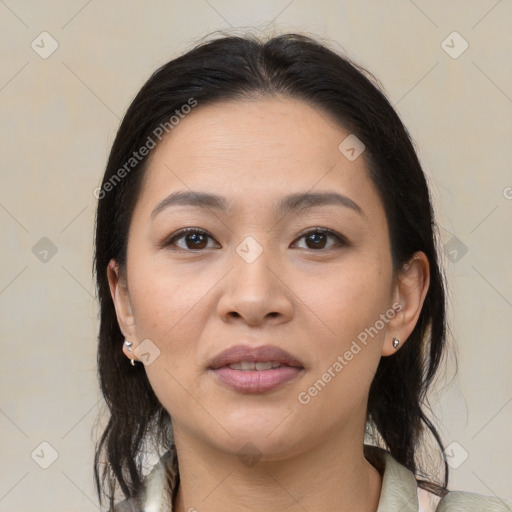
(196, 239)
(315, 241)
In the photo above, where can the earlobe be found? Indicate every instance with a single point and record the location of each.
(410, 291)
(121, 300)
(128, 351)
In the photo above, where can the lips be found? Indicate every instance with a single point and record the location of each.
(255, 369)
(262, 354)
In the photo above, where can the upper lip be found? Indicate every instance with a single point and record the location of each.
(264, 353)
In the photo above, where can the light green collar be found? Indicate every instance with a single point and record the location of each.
(399, 487)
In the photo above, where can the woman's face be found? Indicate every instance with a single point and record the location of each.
(260, 276)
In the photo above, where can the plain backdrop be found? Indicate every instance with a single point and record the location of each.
(68, 72)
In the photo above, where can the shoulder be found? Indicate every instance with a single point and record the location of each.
(157, 489)
(400, 490)
(461, 501)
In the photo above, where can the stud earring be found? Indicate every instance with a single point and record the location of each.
(396, 342)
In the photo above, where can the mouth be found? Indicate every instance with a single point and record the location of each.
(255, 369)
(247, 366)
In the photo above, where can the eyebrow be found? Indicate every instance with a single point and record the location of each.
(289, 203)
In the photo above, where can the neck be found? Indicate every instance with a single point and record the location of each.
(332, 476)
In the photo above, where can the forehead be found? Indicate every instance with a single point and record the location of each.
(254, 131)
(254, 152)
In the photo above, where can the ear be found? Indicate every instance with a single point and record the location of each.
(121, 298)
(409, 294)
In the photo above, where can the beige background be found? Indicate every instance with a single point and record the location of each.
(60, 115)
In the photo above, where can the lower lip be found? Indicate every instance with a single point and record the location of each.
(256, 381)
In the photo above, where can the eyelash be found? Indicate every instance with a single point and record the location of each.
(341, 240)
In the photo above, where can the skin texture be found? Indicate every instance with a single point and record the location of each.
(313, 302)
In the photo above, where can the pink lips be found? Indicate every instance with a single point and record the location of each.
(255, 381)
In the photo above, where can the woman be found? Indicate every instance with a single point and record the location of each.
(270, 291)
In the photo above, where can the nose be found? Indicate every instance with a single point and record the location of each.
(256, 293)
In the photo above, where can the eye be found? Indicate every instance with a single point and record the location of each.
(194, 239)
(197, 239)
(317, 238)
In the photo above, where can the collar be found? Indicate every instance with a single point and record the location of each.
(399, 487)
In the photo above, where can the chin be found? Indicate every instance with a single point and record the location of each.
(265, 433)
(259, 446)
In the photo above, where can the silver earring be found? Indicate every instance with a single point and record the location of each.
(396, 342)
(129, 347)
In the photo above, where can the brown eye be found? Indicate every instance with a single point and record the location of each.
(196, 239)
(193, 239)
(317, 239)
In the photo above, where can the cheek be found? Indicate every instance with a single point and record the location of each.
(165, 298)
(169, 309)
(348, 297)
(348, 332)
